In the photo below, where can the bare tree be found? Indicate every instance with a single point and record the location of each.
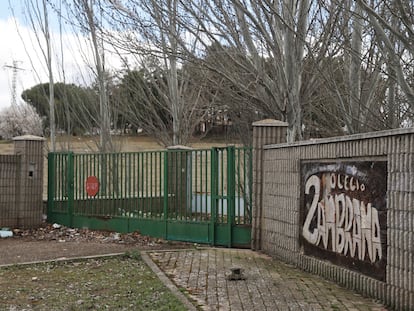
(149, 30)
(38, 17)
(283, 48)
(88, 20)
(300, 61)
(388, 35)
(276, 38)
(353, 80)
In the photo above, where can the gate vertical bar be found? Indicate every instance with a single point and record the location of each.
(231, 189)
(70, 186)
(250, 186)
(214, 193)
(165, 203)
(51, 184)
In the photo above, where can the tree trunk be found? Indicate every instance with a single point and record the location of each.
(173, 78)
(105, 137)
(355, 71)
(52, 122)
(293, 57)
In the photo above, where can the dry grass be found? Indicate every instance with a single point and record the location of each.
(118, 283)
(88, 144)
(139, 143)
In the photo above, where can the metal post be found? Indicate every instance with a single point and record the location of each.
(51, 184)
(231, 188)
(214, 190)
(165, 203)
(70, 187)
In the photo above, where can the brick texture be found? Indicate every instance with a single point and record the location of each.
(280, 197)
(21, 184)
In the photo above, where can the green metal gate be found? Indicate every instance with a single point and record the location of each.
(201, 196)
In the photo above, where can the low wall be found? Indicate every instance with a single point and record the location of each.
(343, 208)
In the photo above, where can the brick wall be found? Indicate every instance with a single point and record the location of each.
(21, 184)
(9, 194)
(286, 206)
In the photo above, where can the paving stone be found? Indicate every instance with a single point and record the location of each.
(269, 284)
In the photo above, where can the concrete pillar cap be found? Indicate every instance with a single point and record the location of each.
(29, 137)
(179, 147)
(270, 122)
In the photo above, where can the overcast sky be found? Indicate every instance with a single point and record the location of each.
(19, 48)
(10, 50)
(19, 45)
(13, 52)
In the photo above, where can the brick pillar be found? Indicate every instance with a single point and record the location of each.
(265, 132)
(30, 201)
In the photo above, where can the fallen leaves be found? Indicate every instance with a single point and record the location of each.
(62, 234)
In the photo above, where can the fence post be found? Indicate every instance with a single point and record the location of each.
(265, 132)
(30, 201)
(70, 187)
(51, 171)
(214, 193)
(231, 189)
(166, 194)
(179, 179)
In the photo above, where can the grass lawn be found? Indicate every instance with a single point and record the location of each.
(114, 283)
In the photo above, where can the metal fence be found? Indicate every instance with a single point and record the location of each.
(192, 195)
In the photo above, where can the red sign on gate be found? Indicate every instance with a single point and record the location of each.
(92, 186)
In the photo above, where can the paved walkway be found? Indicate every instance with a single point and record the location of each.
(204, 275)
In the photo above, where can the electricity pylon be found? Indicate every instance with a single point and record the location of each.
(15, 68)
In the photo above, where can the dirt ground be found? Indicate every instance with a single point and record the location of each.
(49, 243)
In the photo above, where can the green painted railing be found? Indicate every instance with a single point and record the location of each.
(191, 195)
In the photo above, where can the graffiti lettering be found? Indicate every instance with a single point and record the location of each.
(345, 182)
(344, 224)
